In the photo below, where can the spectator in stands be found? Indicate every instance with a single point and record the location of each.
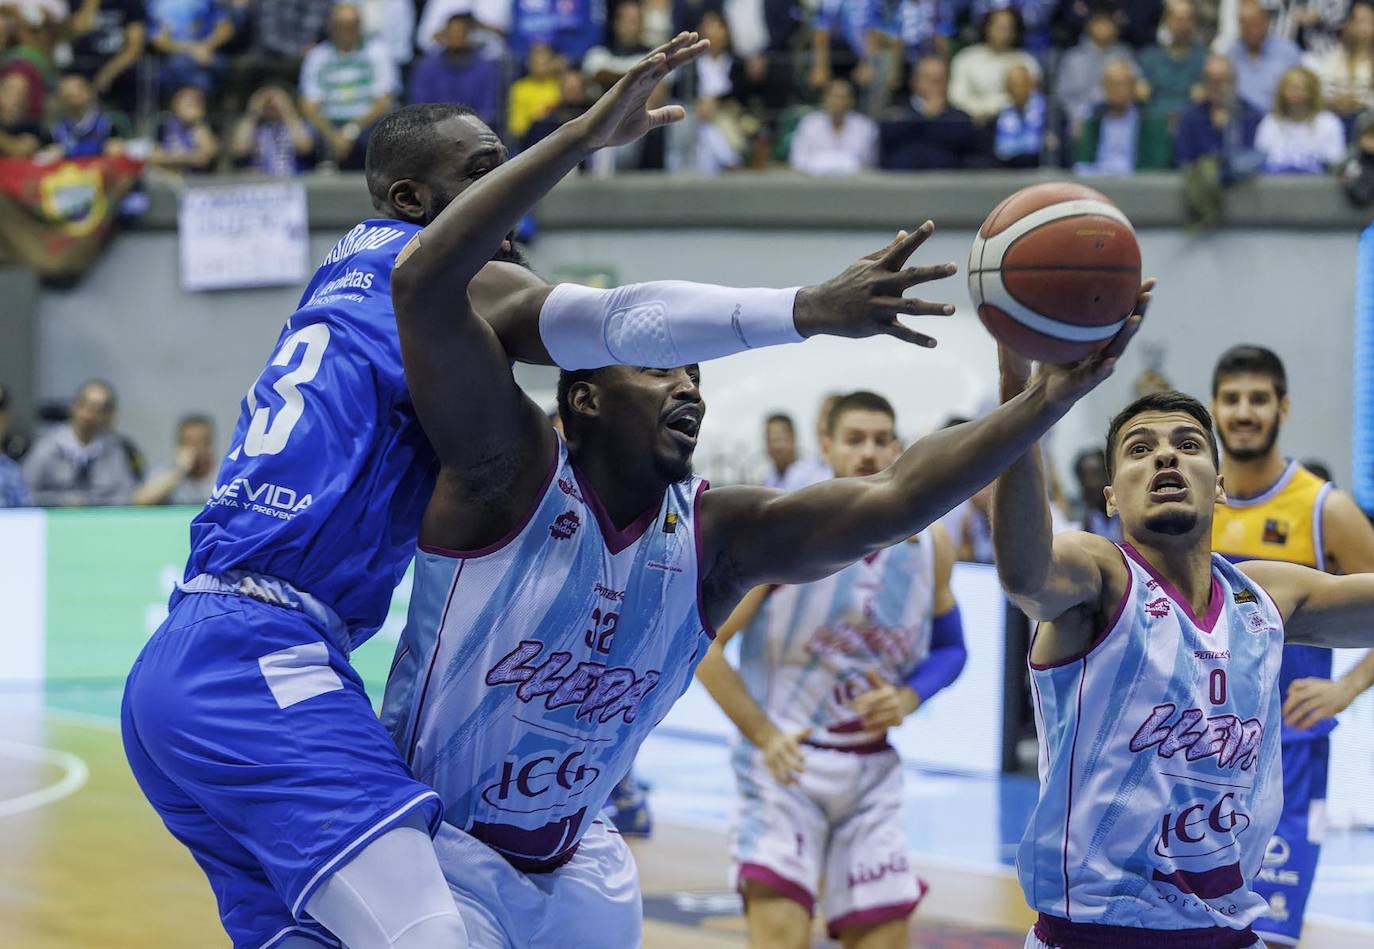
(272, 138)
(604, 65)
(854, 40)
(789, 471)
(1035, 16)
(492, 19)
(392, 23)
(1019, 132)
(978, 74)
(1259, 57)
(23, 50)
(1119, 138)
(188, 34)
(185, 141)
(83, 129)
(13, 491)
(1346, 70)
(461, 72)
(285, 31)
(1299, 136)
(1078, 84)
(346, 86)
(1173, 71)
(573, 100)
(926, 132)
(1090, 468)
(715, 138)
(20, 136)
(1137, 19)
(1312, 25)
(835, 140)
(191, 477)
(535, 94)
(107, 39)
(1215, 146)
(571, 27)
(925, 27)
(1357, 177)
(83, 461)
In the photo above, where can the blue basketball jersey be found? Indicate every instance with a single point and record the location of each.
(328, 472)
(530, 672)
(1160, 775)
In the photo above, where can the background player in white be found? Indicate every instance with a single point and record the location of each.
(826, 669)
(563, 595)
(1155, 671)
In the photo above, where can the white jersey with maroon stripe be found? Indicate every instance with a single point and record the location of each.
(808, 652)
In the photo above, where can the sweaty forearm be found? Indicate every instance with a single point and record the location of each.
(727, 688)
(1022, 538)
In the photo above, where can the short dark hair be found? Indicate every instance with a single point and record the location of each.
(1248, 358)
(403, 144)
(859, 401)
(194, 418)
(1167, 400)
(567, 378)
(782, 418)
(1020, 23)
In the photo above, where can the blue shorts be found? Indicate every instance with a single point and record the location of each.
(1285, 879)
(254, 740)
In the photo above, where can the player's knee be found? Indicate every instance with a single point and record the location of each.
(436, 932)
(775, 921)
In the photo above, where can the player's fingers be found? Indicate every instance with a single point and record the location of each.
(681, 41)
(908, 335)
(666, 116)
(1142, 301)
(911, 306)
(911, 276)
(681, 57)
(882, 252)
(874, 679)
(802, 735)
(1122, 339)
(897, 255)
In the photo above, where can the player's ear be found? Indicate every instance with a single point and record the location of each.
(1221, 490)
(826, 444)
(582, 398)
(1110, 495)
(1283, 408)
(406, 200)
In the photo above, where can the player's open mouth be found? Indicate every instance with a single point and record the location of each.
(684, 423)
(1168, 486)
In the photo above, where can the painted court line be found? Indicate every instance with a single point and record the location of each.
(74, 777)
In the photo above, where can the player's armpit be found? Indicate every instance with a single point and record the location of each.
(1083, 567)
(509, 298)
(1318, 609)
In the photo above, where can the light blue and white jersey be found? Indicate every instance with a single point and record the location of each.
(808, 652)
(530, 671)
(1160, 776)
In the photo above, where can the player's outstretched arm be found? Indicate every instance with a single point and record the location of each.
(781, 753)
(754, 536)
(1318, 609)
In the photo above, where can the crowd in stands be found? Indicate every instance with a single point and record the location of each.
(1218, 88)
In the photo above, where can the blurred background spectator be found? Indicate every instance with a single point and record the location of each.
(272, 138)
(185, 141)
(1090, 470)
(835, 140)
(1119, 138)
(13, 491)
(83, 129)
(1172, 70)
(535, 95)
(189, 34)
(20, 136)
(1019, 133)
(1299, 136)
(1078, 84)
(1357, 176)
(190, 479)
(1260, 58)
(1346, 68)
(460, 72)
(346, 86)
(604, 65)
(925, 131)
(1312, 24)
(571, 27)
(83, 461)
(978, 73)
(718, 131)
(107, 39)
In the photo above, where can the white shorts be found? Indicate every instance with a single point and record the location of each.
(1035, 942)
(591, 902)
(841, 822)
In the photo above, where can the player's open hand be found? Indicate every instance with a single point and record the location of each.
(867, 299)
(782, 754)
(1065, 385)
(1312, 701)
(622, 115)
(884, 705)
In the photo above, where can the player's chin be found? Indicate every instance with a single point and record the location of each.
(1174, 519)
(674, 462)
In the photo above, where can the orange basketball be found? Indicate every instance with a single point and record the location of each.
(1054, 271)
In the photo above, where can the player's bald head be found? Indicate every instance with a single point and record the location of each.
(442, 147)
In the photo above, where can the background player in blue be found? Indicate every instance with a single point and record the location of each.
(243, 721)
(563, 595)
(1155, 671)
(1277, 510)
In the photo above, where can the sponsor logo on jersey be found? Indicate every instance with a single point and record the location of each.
(598, 692)
(564, 526)
(1245, 595)
(1276, 856)
(567, 487)
(535, 777)
(660, 565)
(1158, 608)
(1233, 742)
(670, 523)
(1209, 654)
(1275, 531)
(607, 593)
(896, 864)
(1201, 829)
(1278, 907)
(1255, 622)
(274, 500)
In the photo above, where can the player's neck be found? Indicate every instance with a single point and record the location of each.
(1247, 479)
(624, 492)
(1188, 566)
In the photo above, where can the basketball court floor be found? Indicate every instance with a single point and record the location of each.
(84, 862)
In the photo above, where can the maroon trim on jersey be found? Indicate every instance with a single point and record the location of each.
(701, 566)
(514, 532)
(1099, 639)
(616, 539)
(874, 747)
(778, 884)
(874, 915)
(1053, 931)
(526, 865)
(1214, 604)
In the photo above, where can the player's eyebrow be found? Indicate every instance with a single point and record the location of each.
(1139, 430)
(1186, 429)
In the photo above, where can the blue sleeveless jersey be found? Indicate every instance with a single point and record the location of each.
(328, 472)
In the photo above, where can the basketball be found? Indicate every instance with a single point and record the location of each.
(1054, 271)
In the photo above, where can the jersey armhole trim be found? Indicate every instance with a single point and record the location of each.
(706, 624)
(1318, 537)
(515, 531)
(1102, 635)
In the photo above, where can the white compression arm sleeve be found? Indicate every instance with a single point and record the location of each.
(663, 324)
